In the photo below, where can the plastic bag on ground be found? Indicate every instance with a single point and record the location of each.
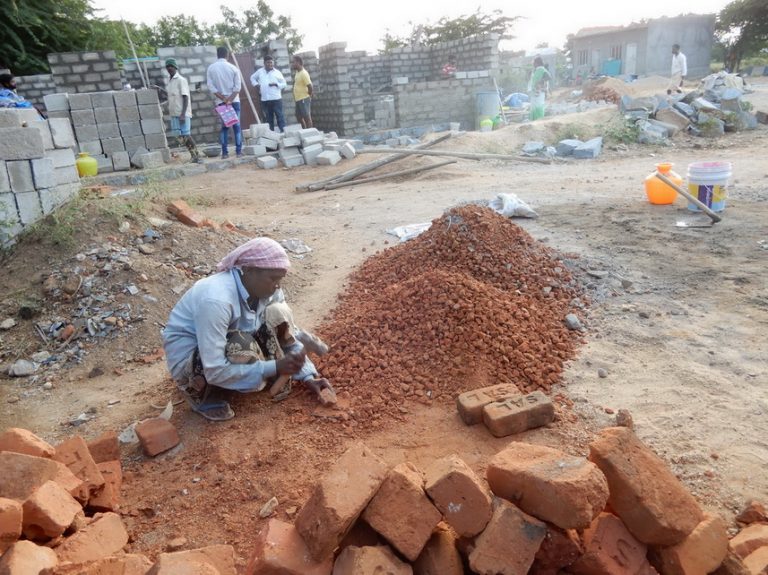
(510, 206)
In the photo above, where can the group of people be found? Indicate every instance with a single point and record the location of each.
(224, 82)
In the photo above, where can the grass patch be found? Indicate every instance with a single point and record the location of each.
(621, 131)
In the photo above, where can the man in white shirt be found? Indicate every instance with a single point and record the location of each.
(270, 83)
(224, 83)
(180, 108)
(679, 70)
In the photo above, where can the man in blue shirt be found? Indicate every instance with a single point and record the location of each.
(271, 83)
(222, 334)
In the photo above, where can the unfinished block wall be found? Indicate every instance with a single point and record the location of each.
(83, 72)
(37, 168)
(33, 88)
(415, 103)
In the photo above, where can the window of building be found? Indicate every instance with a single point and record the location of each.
(583, 57)
(616, 52)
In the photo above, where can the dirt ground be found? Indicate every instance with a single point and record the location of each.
(678, 322)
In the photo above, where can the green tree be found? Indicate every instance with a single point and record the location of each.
(33, 28)
(110, 35)
(742, 30)
(447, 29)
(255, 25)
(181, 30)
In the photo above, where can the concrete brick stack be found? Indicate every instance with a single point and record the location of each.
(84, 72)
(540, 510)
(58, 513)
(37, 168)
(112, 126)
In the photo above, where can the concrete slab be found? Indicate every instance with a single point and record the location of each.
(42, 173)
(56, 102)
(21, 144)
(20, 176)
(80, 102)
(61, 133)
(30, 208)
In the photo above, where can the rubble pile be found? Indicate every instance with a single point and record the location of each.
(59, 513)
(539, 510)
(471, 302)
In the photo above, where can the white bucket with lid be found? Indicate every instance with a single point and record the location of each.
(708, 182)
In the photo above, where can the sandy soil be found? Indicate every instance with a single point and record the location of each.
(682, 338)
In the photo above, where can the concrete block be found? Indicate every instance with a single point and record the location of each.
(133, 143)
(80, 102)
(75, 455)
(566, 147)
(254, 150)
(20, 176)
(312, 139)
(517, 414)
(43, 175)
(589, 149)
(102, 100)
(128, 129)
(66, 175)
(144, 97)
(146, 160)
(306, 132)
(112, 145)
(310, 154)
(57, 196)
(61, 158)
(125, 99)
(56, 102)
(470, 403)
(392, 142)
(107, 131)
(30, 208)
(130, 114)
(288, 153)
(104, 163)
(10, 118)
(152, 127)
(155, 141)
(61, 132)
(44, 129)
(93, 148)
(87, 133)
(103, 537)
(328, 158)
(62, 114)
(5, 183)
(348, 151)
(82, 118)
(21, 144)
(331, 147)
(121, 161)
(290, 142)
(105, 115)
(150, 112)
(266, 162)
(268, 143)
(293, 161)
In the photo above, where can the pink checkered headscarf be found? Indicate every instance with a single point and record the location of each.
(263, 253)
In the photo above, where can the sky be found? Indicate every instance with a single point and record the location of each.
(363, 23)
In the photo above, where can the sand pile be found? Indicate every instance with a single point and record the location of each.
(472, 302)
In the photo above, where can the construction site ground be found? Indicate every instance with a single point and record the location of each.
(681, 338)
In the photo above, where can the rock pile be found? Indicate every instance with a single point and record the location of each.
(59, 513)
(540, 511)
(471, 302)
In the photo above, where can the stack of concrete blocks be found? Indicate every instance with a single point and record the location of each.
(37, 168)
(113, 126)
(33, 88)
(193, 62)
(85, 72)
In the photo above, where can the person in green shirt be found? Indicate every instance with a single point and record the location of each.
(538, 88)
(302, 92)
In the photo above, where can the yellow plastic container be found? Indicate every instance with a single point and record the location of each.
(657, 191)
(86, 165)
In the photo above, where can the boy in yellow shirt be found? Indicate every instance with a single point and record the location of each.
(302, 92)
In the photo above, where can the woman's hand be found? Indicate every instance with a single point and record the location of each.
(291, 363)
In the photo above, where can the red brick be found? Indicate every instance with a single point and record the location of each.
(459, 495)
(551, 485)
(10, 522)
(215, 559)
(518, 414)
(754, 512)
(74, 454)
(190, 218)
(26, 558)
(178, 206)
(701, 552)
(440, 556)
(108, 499)
(101, 538)
(402, 512)
(23, 441)
(119, 565)
(157, 435)
(23, 474)
(558, 550)
(361, 535)
(280, 550)
(757, 562)
(610, 549)
(49, 511)
(470, 403)
(750, 539)
(338, 499)
(360, 560)
(648, 498)
(509, 543)
(106, 447)
(75, 486)
(732, 565)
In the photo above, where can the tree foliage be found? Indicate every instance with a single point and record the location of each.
(34, 28)
(447, 29)
(742, 30)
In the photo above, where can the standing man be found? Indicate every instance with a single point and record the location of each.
(679, 70)
(270, 83)
(302, 92)
(180, 108)
(224, 84)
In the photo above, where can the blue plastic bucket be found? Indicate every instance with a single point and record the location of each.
(708, 182)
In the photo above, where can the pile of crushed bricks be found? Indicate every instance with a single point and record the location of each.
(473, 301)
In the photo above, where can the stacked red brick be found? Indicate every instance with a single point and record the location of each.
(471, 302)
(542, 511)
